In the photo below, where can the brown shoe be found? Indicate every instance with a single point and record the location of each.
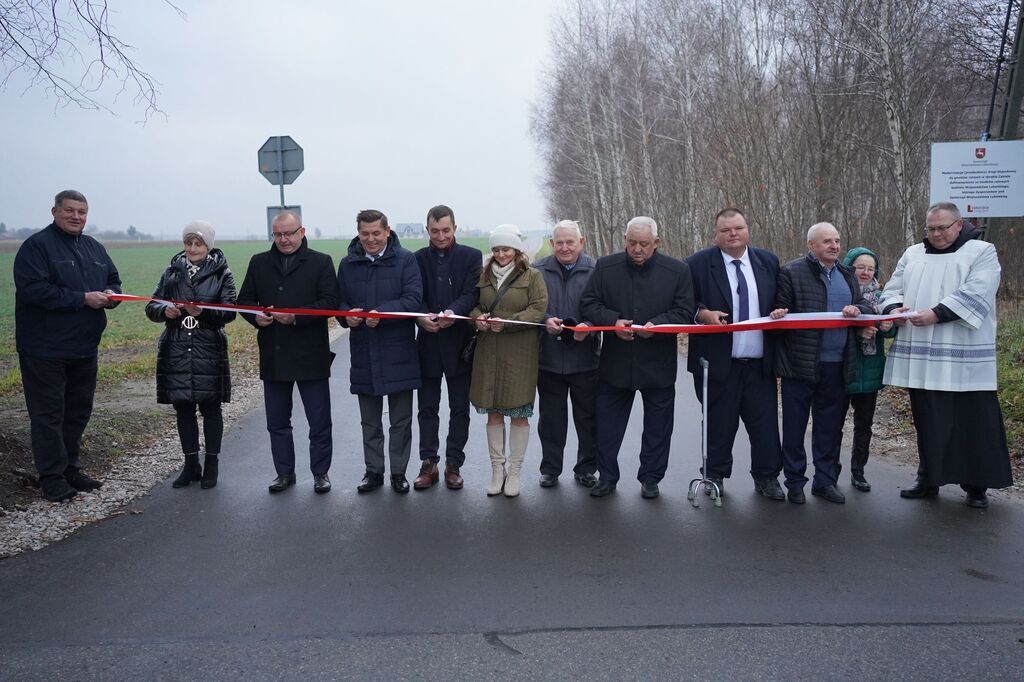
(452, 479)
(428, 475)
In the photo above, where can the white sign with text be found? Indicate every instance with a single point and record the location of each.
(985, 179)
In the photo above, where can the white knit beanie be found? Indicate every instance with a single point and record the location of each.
(202, 229)
(507, 235)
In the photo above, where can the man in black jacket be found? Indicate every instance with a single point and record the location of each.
(816, 364)
(568, 360)
(62, 281)
(450, 272)
(637, 288)
(732, 282)
(294, 349)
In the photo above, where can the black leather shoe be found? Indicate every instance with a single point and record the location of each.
(976, 496)
(281, 482)
(57, 489)
(717, 480)
(586, 480)
(80, 481)
(859, 482)
(920, 489)
(602, 488)
(796, 496)
(770, 488)
(649, 491)
(371, 481)
(399, 484)
(321, 484)
(830, 493)
(548, 480)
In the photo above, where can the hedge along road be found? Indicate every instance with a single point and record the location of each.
(236, 583)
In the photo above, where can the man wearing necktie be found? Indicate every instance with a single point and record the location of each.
(733, 282)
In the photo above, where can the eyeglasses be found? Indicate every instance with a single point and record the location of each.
(937, 230)
(864, 268)
(282, 235)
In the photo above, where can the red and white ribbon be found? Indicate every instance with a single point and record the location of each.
(789, 321)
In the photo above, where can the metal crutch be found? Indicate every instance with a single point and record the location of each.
(693, 494)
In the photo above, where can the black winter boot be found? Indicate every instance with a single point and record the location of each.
(190, 472)
(209, 472)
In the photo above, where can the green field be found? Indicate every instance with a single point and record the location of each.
(129, 343)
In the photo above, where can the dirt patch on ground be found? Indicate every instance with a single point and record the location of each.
(125, 418)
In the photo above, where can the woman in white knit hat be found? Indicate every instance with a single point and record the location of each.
(192, 358)
(504, 378)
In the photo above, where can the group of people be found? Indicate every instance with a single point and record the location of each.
(944, 351)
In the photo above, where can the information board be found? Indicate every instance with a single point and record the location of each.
(985, 179)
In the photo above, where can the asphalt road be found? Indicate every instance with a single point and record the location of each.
(235, 583)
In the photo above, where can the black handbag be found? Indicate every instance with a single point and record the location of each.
(470, 348)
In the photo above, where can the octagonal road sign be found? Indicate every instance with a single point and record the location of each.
(280, 160)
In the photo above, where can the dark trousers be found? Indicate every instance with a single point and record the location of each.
(316, 401)
(825, 402)
(371, 415)
(428, 401)
(747, 394)
(863, 417)
(613, 408)
(188, 426)
(58, 395)
(553, 390)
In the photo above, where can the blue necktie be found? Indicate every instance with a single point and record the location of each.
(743, 291)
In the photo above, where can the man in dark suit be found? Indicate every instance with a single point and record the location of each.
(732, 282)
(637, 288)
(449, 272)
(294, 349)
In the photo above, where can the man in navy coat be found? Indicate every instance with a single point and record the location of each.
(450, 272)
(378, 275)
(732, 282)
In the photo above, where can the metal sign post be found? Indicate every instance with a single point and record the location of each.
(280, 162)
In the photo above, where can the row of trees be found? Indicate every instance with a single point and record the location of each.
(794, 110)
(131, 234)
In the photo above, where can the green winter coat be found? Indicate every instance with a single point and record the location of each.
(505, 363)
(868, 369)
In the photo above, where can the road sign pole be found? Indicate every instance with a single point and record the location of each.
(280, 171)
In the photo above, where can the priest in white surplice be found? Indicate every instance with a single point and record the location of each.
(946, 356)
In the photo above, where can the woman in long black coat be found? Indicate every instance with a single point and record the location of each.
(192, 361)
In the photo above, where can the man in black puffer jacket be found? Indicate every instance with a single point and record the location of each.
(62, 282)
(815, 364)
(378, 275)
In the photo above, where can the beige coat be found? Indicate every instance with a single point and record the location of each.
(505, 363)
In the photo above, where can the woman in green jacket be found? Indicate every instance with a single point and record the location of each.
(504, 379)
(862, 392)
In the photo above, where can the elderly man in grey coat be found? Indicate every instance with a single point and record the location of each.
(568, 360)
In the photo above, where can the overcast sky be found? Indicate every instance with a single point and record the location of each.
(398, 104)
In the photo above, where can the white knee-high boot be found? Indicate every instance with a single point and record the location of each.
(496, 446)
(517, 441)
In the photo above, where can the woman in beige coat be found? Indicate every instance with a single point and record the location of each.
(505, 363)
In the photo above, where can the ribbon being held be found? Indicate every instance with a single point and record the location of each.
(789, 321)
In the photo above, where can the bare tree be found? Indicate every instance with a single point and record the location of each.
(69, 48)
(793, 110)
